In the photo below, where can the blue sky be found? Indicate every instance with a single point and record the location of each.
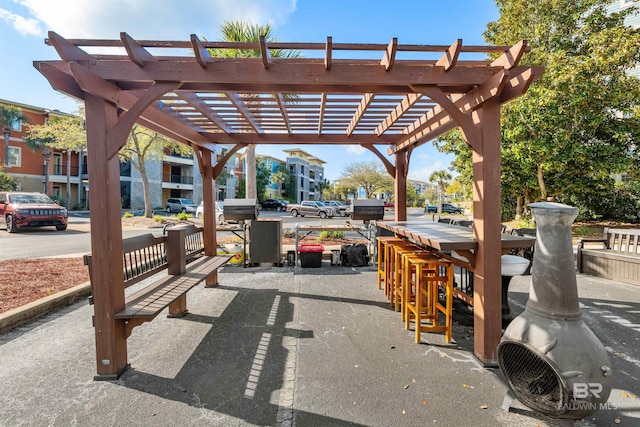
(24, 23)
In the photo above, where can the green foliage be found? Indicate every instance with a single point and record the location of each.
(80, 207)
(59, 132)
(184, 216)
(263, 177)
(58, 199)
(370, 176)
(7, 182)
(128, 215)
(241, 193)
(577, 124)
(325, 235)
(158, 218)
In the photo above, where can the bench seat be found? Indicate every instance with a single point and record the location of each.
(147, 303)
(617, 258)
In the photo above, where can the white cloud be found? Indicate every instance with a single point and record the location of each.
(25, 26)
(152, 19)
(356, 150)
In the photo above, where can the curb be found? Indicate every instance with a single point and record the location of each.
(29, 312)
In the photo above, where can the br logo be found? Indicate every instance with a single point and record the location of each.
(584, 390)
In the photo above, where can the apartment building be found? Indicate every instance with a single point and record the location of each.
(43, 169)
(308, 171)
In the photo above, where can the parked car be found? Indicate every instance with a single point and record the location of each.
(20, 210)
(273, 204)
(388, 205)
(340, 207)
(312, 208)
(446, 208)
(181, 205)
(218, 209)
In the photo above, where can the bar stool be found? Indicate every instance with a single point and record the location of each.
(384, 259)
(431, 273)
(398, 250)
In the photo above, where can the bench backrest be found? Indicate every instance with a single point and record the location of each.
(623, 240)
(145, 255)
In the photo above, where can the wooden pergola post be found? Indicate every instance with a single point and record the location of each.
(208, 198)
(400, 188)
(487, 298)
(106, 240)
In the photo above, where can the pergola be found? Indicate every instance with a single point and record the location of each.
(180, 90)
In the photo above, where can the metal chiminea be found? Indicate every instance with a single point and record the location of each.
(552, 361)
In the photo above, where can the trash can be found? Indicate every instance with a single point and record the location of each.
(310, 255)
(291, 258)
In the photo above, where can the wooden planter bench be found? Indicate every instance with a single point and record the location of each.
(181, 254)
(618, 258)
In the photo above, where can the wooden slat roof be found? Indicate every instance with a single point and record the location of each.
(398, 99)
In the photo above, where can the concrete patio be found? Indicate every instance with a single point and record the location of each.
(293, 346)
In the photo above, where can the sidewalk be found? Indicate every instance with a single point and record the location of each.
(292, 346)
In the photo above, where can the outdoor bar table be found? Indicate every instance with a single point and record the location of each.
(445, 238)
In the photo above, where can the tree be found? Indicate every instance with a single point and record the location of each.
(280, 178)
(7, 182)
(9, 114)
(576, 126)
(442, 178)
(370, 176)
(322, 187)
(61, 133)
(144, 144)
(238, 31)
(262, 177)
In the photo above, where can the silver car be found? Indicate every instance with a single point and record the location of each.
(219, 212)
(181, 205)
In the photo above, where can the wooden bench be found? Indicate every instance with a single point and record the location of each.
(181, 254)
(618, 258)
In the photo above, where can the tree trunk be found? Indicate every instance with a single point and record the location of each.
(250, 179)
(519, 207)
(148, 211)
(543, 189)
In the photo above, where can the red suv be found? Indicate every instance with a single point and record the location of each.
(19, 210)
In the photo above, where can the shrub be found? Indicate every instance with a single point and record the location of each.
(128, 215)
(158, 218)
(184, 216)
(288, 233)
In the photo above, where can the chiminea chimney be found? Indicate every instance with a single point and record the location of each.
(552, 361)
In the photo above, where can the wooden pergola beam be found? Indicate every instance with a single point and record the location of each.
(323, 104)
(328, 53)
(244, 111)
(193, 100)
(203, 57)
(283, 111)
(450, 57)
(389, 58)
(264, 53)
(364, 104)
(137, 53)
(399, 111)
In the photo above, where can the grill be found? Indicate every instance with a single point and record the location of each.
(42, 212)
(549, 357)
(240, 209)
(368, 209)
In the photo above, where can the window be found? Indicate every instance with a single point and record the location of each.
(301, 169)
(301, 182)
(125, 168)
(15, 157)
(16, 125)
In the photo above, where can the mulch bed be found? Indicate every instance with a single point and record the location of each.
(27, 280)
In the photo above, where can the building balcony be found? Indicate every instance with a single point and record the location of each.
(177, 159)
(182, 182)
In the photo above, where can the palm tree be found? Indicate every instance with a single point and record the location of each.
(441, 177)
(238, 31)
(9, 114)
